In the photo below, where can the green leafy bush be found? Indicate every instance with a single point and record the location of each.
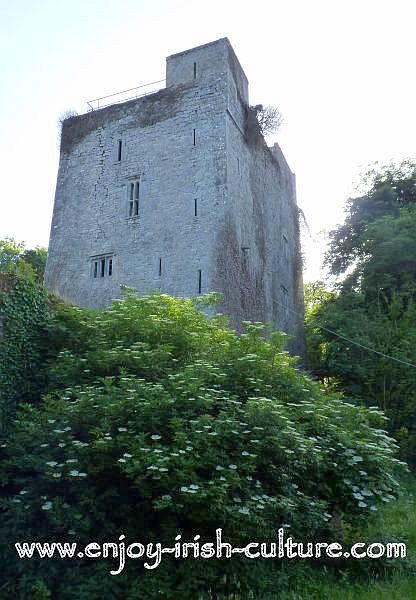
(159, 422)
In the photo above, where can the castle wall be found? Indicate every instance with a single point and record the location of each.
(258, 263)
(91, 215)
(216, 208)
(201, 63)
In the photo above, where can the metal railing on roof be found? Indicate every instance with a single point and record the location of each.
(125, 95)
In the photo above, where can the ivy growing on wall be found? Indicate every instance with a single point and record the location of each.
(24, 322)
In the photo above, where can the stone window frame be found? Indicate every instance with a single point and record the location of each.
(133, 196)
(102, 266)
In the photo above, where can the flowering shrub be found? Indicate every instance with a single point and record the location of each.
(160, 422)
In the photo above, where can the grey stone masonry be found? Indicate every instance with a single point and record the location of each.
(178, 192)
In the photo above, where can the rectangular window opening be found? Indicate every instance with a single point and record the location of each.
(102, 266)
(195, 207)
(194, 70)
(194, 137)
(133, 193)
(160, 267)
(120, 143)
(199, 281)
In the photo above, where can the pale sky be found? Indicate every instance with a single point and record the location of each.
(342, 72)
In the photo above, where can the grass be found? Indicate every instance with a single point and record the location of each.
(395, 522)
(397, 589)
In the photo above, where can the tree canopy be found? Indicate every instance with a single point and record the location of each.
(388, 189)
(362, 335)
(14, 256)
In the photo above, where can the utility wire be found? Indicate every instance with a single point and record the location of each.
(403, 362)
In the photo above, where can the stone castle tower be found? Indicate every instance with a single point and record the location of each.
(177, 191)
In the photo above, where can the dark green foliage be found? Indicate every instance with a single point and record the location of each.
(389, 261)
(384, 321)
(389, 189)
(24, 327)
(374, 306)
(158, 422)
(24, 319)
(36, 258)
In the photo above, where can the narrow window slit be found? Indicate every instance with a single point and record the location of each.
(120, 143)
(110, 267)
(160, 267)
(196, 207)
(102, 267)
(194, 70)
(199, 281)
(194, 137)
(95, 268)
(285, 247)
(245, 256)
